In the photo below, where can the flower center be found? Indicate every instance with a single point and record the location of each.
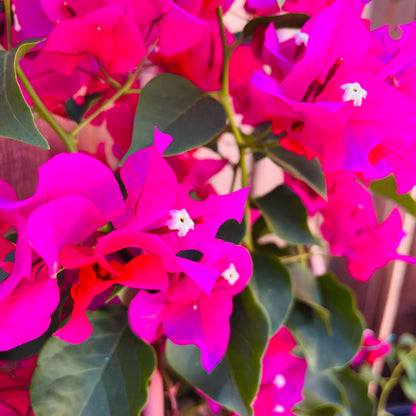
(230, 274)
(278, 409)
(180, 221)
(301, 39)
(279, 381)
(354, 92)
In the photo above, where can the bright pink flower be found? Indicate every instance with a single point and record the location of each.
(109, 33)
(144, 271)
(26, 312)
(247, 100)
(283, 377)
(201, 64)
(14, 387)
(371, 349)
(196, 172)
(311, 7)
(333, 104)
(165, 21)
(348, 212)
(150, 183)
(363, 253)
(186, 314)
(78, 184)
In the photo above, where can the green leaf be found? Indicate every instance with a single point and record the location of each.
(288, 20)
(322, 389)
(272, 287)
(16, 119)
(356, 390)
(193, 255)
(387, 187)
(234, 381)
(178, 108)
(286, 215)
(336, 347)
(309, 171)
(76, 111)
(307, 291)
(106, 375)
(232, 231)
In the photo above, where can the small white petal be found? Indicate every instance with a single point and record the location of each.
(230, 274)
(181, 221)
(301, 39)
(354, 92)
(279, 409)
(279, 381)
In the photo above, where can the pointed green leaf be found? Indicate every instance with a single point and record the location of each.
(106, 375)
(336, 347)
(286, 215)
(178, 108)
(272, 288)
(234, 381)
(308, 171)
(281, 21)
(387, 187)
(16, 119)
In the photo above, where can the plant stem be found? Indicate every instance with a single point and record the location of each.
(45, 113)
(391, 383)
(122, 91)
(224, 95)
(8, 23)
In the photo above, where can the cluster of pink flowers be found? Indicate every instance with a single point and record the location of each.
(343, 94)
(189, 301)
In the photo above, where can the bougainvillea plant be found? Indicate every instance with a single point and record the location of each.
(146, 274)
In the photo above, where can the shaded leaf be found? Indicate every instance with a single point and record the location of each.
(306, 290)
(16, 118)
(272, 288)
(76, 111)
(324, 348)
(232, 231)
(288, 20)
(193, 255)
(321, 390)
(308, 171)
(286, 215)
(107, 375)
(387, 187)
(178, 108)
(235, 380)
(356, 390)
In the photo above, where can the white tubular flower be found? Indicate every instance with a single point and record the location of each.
(181, 221)
(301, 39)
(354, 92)
(230, 274)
